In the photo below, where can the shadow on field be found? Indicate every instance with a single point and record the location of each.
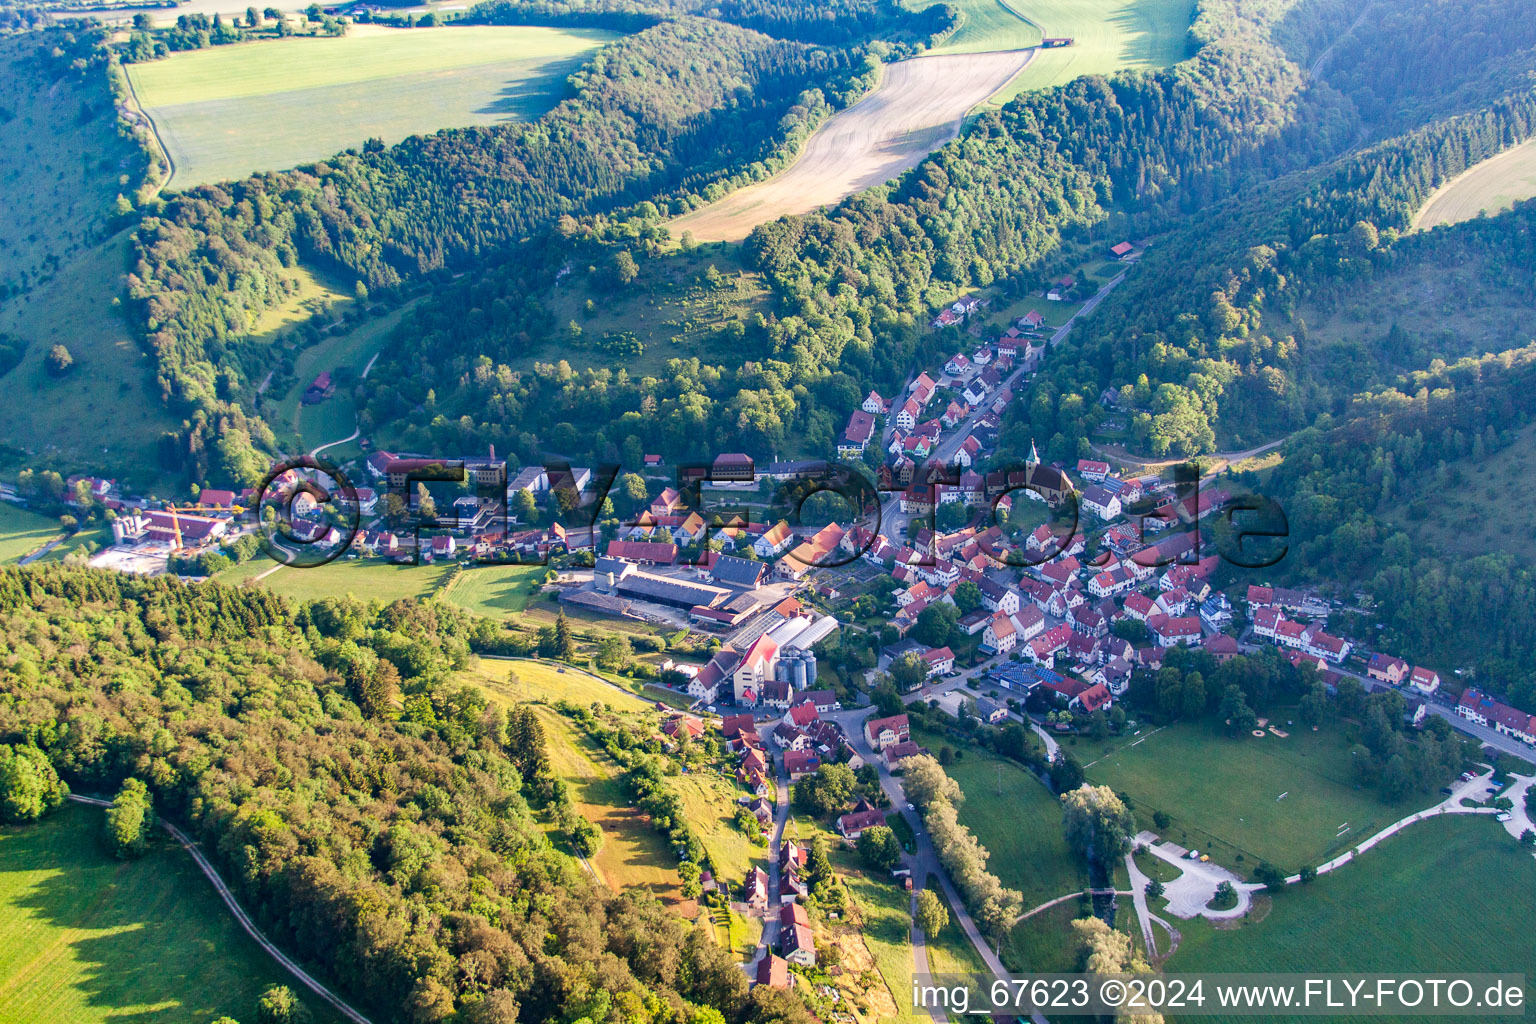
(87, 936)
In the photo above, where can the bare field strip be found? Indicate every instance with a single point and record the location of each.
(917, 108)
(1494, 185)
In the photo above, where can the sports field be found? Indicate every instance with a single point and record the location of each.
(87, 939)
(1449, 894)
(1491, 187)
(227, 111)
(23, 532)
(1290, 801)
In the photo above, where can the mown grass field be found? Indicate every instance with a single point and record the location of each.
(1108, 35)
(87, 939)
(227, 111)
(1224, 795)
(1448, 894)
(494, 590)
(991, 25)
(1490, 187)
(537, 681)
(23, 532)
(365, 579)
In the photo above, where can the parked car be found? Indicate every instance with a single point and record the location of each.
(1501, 816)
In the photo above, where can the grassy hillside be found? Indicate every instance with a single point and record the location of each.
(66, 421)
(672, 308)
(1405, 906)
(86, 938)
(226, 111)
(62, 162)
(1473, 518)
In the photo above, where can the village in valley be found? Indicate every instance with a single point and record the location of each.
(1034, 594)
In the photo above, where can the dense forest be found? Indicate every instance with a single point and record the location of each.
(1394, 451)
(686, 107)
(829, 22)
(1202, 342)
(371, 813)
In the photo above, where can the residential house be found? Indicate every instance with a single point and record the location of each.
(1169, 630)
(861, 428)
(886, 732)
(795, 936)
(1101, 502)
(1090, 469)
(1425, 680)
(800, 763)
(990, 711)
(1042, 649)
(772, 971)
(853, 824)
(732, 726)
(1114, 675)
(775, 541)
(1387, 669)
(1092, 699)
(939, 661)
(1000, 637)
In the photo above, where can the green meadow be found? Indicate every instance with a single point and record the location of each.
(86, 938)
(227, 111)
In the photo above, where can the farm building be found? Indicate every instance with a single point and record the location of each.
(319, 389)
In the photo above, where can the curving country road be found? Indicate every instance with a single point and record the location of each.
(243, 918)
(918, 107)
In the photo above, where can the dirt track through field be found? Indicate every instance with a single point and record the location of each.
(917, 108)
